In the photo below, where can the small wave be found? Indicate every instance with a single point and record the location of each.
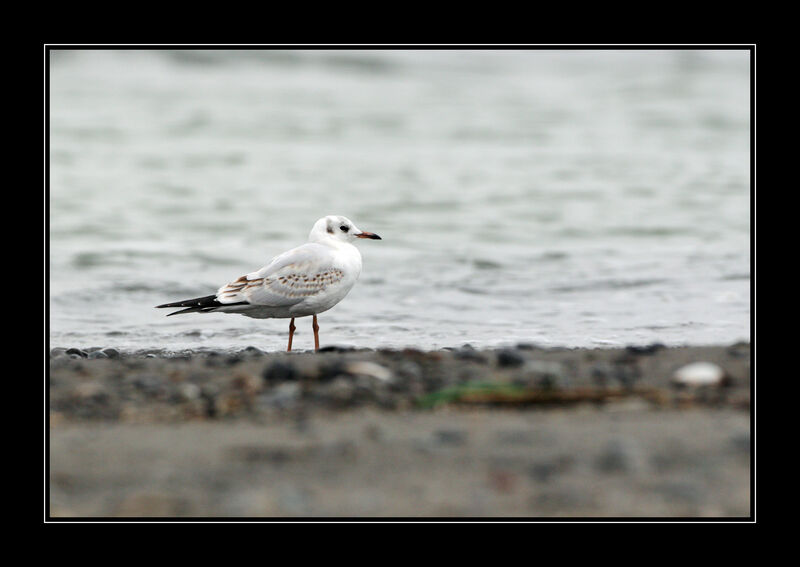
(481, 264)
(608, 285)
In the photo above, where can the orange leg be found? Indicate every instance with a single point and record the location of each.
(316, 333)
(291, 334)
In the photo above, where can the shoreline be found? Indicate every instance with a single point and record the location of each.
(143, 387)
(517, 432)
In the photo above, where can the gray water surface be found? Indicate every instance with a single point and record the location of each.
(570, 198)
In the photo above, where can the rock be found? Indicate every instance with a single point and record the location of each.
(58, 351)
(97, 354)
(626, 370)
(739, 350)
(467, 352)
(542, 374)
(509, 358)
(330, 370)
(335, 348)
(77, 351)
(699, 374)
(601, 374)
(111, 352)
(646, 349)
(209, 394)
(252, 351)
(279, 371)
(410, 370)
(371, 369)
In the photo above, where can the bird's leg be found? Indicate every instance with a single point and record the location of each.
(291, 334)
(316, 333)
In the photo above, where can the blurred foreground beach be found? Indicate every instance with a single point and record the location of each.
(521, 431)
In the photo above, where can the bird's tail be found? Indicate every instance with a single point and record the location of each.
(196, 305)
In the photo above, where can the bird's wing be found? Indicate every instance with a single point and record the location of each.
(287, 280)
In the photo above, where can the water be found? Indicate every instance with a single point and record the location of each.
(570, 198)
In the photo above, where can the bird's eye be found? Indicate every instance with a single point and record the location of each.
(344, 228)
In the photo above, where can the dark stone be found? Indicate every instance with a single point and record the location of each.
(79, 352)
(331, 370)
(213, 359)
(466, 352)
(279, 371)
(209, 394)
(97, 354)
(334, 348)
(646, 349)
(626, 373)
(111, 352)
(739, 350)
(510, 357)
(601, 374)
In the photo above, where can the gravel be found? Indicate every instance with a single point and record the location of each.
(521, 431)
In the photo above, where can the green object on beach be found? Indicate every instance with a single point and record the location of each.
(453, 394)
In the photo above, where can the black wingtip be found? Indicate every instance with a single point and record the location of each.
(205, 301)
(197, 305)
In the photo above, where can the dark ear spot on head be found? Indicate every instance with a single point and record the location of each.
(329, 228)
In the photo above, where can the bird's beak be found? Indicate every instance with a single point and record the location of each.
(371, 235)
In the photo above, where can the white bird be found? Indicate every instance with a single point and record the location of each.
(303, 281)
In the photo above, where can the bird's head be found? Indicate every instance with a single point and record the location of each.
(338, 228)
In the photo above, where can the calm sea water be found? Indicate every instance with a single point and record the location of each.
(565, 198)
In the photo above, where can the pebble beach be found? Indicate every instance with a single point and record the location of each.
(524, 431)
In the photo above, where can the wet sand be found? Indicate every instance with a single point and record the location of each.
(518, 432)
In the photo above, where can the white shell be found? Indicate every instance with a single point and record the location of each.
(364, 368)
(699, 374)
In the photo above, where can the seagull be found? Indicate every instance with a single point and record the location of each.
(303, 281)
